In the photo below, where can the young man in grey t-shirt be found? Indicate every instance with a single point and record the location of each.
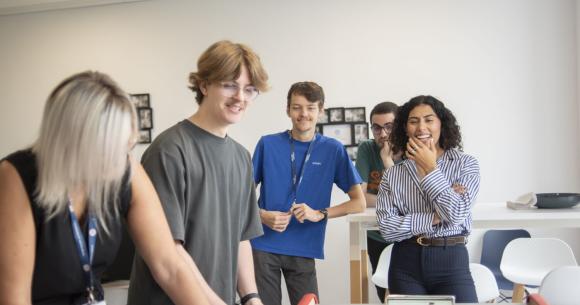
(204, 180)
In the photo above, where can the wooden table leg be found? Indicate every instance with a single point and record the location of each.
(359, 276)
(364, 271)
(355, 282)
(518, 293)
(355, 264)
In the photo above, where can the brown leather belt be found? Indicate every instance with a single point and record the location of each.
(438, 241)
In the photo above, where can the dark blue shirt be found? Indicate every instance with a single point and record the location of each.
(328, 164)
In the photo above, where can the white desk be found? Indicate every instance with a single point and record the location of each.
(486, 215)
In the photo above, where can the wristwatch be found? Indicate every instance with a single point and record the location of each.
(324, 214)
(249, 296)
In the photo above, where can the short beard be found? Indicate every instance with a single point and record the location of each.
(380, 143)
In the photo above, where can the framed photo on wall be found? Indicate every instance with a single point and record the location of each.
(352, 151)
(336, 115)
(144, 136)
(340, 132)
(142, 103)
(354, 114)
(323, 118)
(145, 115)
(361, 132)
(141, 100)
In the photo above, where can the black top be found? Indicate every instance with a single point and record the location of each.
(58, 278)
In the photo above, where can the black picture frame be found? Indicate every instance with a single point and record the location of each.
(355, 114)
(360, 132)
(336, 115)
(144, 136)
(323, 117)
(340, 132)
(145, 115)
(352, 151)
(141, 100)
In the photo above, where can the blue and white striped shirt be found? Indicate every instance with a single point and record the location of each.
(406, 206)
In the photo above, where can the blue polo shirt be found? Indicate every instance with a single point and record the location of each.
(328, 164)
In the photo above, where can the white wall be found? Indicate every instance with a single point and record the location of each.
(578, 96)
(508, 70)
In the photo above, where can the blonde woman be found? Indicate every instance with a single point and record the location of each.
(63, 200)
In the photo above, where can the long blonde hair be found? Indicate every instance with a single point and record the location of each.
(84, 141)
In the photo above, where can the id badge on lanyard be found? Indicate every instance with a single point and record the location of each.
(296, 180)
(91, 299)
(86, 252)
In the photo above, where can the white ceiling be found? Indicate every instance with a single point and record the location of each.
(11, 7)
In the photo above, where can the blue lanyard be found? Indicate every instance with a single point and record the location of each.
(295, 179)
(86, 257)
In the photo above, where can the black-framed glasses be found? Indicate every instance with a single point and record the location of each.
(230, 89)
(377, 128)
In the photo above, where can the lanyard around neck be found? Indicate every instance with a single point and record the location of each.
(297, 179)
(86, 254)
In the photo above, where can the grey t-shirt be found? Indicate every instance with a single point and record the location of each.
(206, 188)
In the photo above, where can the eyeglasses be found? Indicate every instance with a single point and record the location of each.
(377, 128)
(231, 89)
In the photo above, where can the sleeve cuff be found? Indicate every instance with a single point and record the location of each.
(422, 223)
(434, 184)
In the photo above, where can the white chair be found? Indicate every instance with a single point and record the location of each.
(562, 286)
(381, 275)
(116, 292)
(526, 261)
(485, 283)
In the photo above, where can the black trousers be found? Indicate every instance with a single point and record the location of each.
(374, 250)
(419, 270)
(299, 274)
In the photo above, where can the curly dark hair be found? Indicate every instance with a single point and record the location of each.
(450, 134)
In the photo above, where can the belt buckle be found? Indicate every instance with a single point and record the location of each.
(420, 241)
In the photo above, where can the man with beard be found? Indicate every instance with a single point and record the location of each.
(373, 157)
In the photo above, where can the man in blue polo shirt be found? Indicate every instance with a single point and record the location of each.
(296, 170)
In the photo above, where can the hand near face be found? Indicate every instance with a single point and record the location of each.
(387, 156)
(303, 212)
(275, 220)
(424, 155)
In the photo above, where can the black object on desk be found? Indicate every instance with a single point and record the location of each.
(557, 200)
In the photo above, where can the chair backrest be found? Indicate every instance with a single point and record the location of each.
(485, 284)
(381, 275)
(494, 242)
(528, 260)
(562, 286)
(536, 299)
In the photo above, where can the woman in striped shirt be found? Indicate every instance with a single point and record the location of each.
(424, 203)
